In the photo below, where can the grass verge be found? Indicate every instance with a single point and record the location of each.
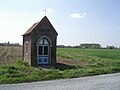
(75, 63)
(21, 72)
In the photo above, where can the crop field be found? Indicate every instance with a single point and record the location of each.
(9, 54)
(90, 58)
(71, 63)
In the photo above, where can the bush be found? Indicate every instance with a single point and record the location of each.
(21, 63)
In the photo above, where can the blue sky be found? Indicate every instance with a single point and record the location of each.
(76, 21)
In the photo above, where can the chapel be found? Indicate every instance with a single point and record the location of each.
(39, 44)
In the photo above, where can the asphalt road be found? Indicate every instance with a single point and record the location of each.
(100, 82)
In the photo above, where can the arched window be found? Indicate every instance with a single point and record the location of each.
(43, 51)
(43, 47)
(43, 41)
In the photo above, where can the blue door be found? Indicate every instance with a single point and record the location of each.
(43, 52)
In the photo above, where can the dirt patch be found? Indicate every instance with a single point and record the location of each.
(71, 62)
(9, 55)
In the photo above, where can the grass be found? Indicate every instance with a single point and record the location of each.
(100, 57)
(90, 61)
(21, 72)
(75, 53)
(72, 63)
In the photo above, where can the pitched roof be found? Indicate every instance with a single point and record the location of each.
(31, 29)
(35, 25)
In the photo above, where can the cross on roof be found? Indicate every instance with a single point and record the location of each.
(45, 11)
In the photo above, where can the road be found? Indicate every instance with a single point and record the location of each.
(100, 82)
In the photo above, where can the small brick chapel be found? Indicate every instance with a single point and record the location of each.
(39, 44)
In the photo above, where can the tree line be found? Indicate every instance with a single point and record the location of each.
(89, 46)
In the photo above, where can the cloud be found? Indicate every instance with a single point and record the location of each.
(5, 12)
(84, 14)
(118, 27)
(78, 15)
(50, 10)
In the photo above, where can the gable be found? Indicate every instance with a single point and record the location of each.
(43, 25)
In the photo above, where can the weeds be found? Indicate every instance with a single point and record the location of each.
(94, 62)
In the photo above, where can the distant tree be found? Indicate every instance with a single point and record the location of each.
(111, 47)
(76, 46)
(68, 46)
(60, 46)
(8, 43)
(91, 46)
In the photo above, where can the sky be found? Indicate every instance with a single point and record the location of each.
(76, 21)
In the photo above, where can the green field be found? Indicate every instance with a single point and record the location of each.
(76, 53)
(71, 63)
(99, 61)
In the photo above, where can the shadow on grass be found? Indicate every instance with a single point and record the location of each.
(62, 66)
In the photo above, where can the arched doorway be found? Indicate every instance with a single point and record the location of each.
(43, 51)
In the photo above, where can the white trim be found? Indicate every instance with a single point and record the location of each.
(46, 38)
